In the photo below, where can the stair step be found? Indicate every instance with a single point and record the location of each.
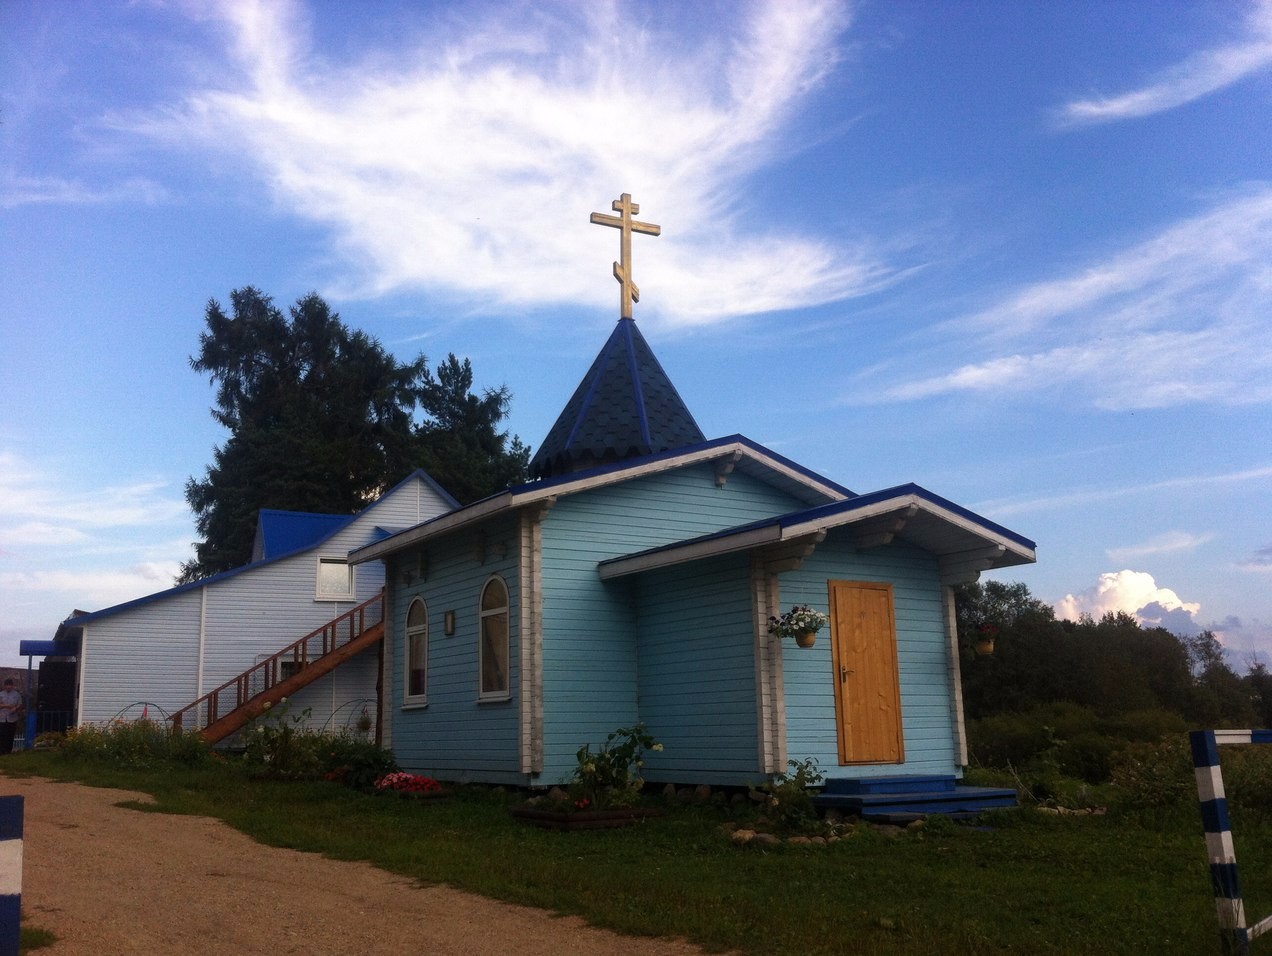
(964, 801)
(902, 783)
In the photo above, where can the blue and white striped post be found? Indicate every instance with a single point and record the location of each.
(10, 874)
(1234, 932)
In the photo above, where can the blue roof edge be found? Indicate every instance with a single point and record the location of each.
(899, 491)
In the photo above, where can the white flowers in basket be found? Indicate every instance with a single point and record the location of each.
(801, 619)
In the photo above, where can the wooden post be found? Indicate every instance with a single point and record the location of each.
(11, 811)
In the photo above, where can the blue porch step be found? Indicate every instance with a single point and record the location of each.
(899, 798)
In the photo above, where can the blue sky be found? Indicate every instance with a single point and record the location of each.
(1019, 253)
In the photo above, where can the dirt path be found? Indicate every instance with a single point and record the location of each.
(110, 881)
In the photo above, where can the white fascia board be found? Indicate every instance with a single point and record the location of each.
(727, 544)
(880, 508)
(775, 533)
(695, 457)
(451, 521)
(529, 495)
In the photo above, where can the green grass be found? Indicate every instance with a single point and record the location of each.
(1023, 882)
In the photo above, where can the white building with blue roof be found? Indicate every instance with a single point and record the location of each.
(157, 654)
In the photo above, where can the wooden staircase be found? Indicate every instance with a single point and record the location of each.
(243, 698)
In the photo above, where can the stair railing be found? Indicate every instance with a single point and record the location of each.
(261, 678)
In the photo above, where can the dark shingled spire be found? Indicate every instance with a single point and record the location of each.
(625, 407)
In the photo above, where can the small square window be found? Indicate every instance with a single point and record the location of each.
(335, 580)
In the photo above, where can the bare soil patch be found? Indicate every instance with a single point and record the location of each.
(110, 880)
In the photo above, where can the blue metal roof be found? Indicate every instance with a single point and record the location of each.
(625, 407)
(281, 532)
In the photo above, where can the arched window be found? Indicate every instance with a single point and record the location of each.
(416, 651)
(493, 651)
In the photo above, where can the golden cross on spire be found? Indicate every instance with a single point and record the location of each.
(626, 225)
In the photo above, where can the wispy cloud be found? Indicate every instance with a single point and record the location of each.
(1083, 497)
(1201, 74)
(469, 160)
(31, 498)
(1261, 560)
(26, 190)
(1172, 542)
(1178, 318)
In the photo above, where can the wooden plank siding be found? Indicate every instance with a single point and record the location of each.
(696, 662)
(922, 653)
(454, 736)
(593, 682)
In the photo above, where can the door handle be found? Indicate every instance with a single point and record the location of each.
(844, 672)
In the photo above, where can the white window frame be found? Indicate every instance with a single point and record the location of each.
(322, 593)
(482, 615)
(409, 699)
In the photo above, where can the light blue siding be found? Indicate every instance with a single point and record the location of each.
(673, 648)
(456, 736)
(697, 671)
(594, 682)
(922, 652)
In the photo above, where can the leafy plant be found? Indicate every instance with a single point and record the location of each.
(788, 800)
(353, 761)
(610, 777)
(130, 743)
(276, 744)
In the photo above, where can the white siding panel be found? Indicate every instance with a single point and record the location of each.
(148, 654)
(151, 652)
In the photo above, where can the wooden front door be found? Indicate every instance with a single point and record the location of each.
(867, 679)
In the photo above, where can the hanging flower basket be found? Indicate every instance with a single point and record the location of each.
(984, 643)
(801, 622)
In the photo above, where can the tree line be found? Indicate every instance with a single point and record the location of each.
(1111, 666)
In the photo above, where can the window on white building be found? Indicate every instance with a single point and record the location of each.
(335, 580)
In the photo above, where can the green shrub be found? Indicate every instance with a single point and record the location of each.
(353, 761)
(1146, 726)
(1154, 775)
(788, 802)
(611, 776)
(277, 744)
(1247, 776)
(1006, 740)
(132, 743)
(1088, 756)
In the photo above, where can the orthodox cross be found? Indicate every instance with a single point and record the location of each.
(626, 226)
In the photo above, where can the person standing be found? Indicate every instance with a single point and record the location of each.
(10, 714)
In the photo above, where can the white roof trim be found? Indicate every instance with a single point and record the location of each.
(531, 494)
(773, 532)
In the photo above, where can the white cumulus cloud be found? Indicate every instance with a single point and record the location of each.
(1132, 592)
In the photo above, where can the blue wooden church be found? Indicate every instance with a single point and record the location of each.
(632, 580)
